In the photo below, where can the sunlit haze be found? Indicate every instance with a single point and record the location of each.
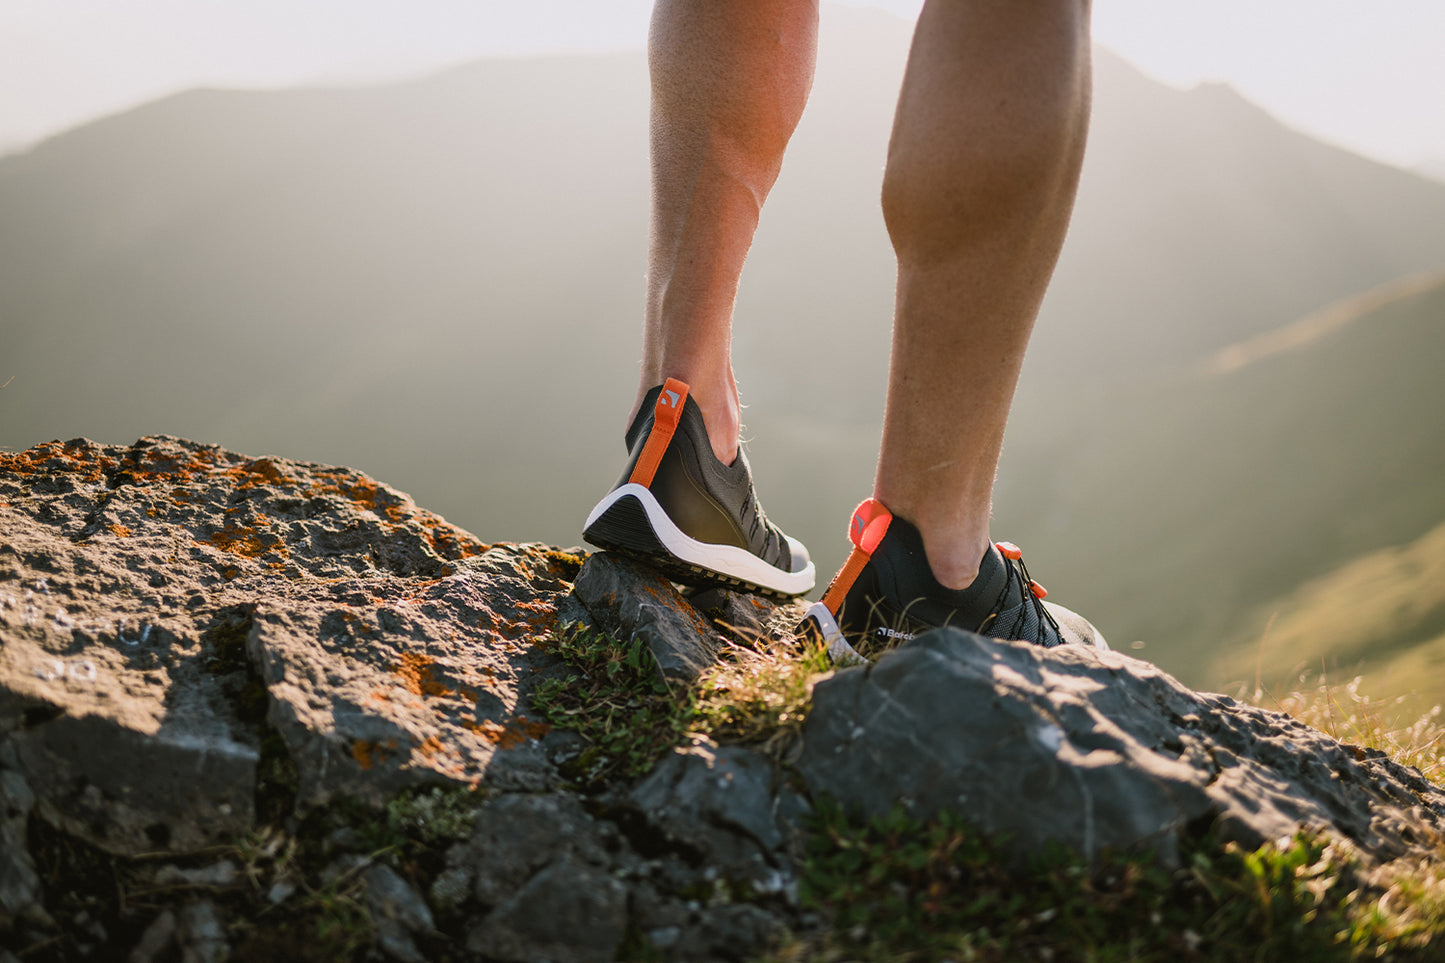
(1364, 76)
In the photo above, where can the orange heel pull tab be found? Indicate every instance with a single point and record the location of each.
(870, 523)
(1009, 550)
(665, 416)
(867, 528)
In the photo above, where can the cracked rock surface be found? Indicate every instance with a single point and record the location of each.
(160, 602)
(197, 645)
(226, 681)
(1095, 750)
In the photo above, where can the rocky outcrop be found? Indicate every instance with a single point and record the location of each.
(195, 644)
(167, 607)
(1095, 750)
(206, 658)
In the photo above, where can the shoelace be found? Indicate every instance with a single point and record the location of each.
(772, 537)
(1032, 595)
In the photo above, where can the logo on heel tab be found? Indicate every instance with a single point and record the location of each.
(668, 410)
(870, 523)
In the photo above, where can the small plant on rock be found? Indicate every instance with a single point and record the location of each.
(614, 698)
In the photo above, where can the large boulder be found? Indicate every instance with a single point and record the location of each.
(168, 606)
(1094, 750)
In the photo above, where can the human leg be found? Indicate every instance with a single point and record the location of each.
(729, 81)
(982, 168)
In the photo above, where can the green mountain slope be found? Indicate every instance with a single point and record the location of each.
(1275, 462)
(1381, 616)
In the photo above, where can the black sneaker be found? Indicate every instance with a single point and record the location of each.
(886, 594)
(681, 511)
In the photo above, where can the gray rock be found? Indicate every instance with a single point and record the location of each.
(409, 683)
(570, 912)
(742, 618)
(719, 807)
(201, 933)
(161, 603)
(397, 911)
(19, 884)
(629, 601)
(156, 939)
(731, 932)
(516, 835)
(691, 931)
(1092, 749)
(222, 875)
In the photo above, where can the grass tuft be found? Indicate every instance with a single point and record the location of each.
(897, 889)
(614, 698)
(758, 696)
(1346, 715)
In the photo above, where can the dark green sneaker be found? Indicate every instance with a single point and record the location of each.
(886, 594)
(680, 510)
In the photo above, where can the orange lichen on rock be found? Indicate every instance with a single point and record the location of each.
(368, 754)
(446, 539)
(430, 746)
(539, 619)
(257, 472)
(119, 531)
(563, 565)
(511, 735)
(246, 542)
(363, 491)
(55, 456)
(418, 674)
(156, 464)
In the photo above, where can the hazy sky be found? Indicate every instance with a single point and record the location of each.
(1365, 74)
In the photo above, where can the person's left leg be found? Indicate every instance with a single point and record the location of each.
(729, 81)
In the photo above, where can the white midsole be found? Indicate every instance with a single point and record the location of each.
(725, 559)
(838, 648)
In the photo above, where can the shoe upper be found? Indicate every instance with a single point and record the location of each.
(893, 594)
(709, 501)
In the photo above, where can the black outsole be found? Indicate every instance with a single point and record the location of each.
(625, 529)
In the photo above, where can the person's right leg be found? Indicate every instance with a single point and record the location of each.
(987, 145)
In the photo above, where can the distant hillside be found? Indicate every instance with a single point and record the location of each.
(440, 282)
(1381, 616)
(1273, 463)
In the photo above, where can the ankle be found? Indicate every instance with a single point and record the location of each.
(954, 551)
(954, 563)
(718, 402)
(723, 418)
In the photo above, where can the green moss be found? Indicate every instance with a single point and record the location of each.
(615, 698)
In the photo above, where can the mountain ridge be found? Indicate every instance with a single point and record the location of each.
(376, 283)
